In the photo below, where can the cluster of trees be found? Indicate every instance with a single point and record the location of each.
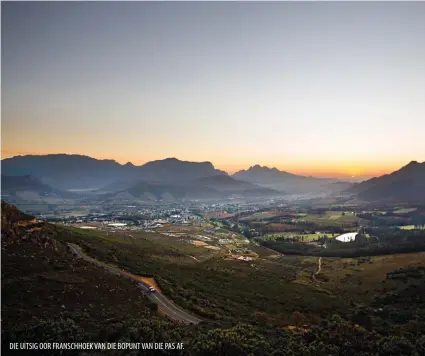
(391, 219)
(384, 242)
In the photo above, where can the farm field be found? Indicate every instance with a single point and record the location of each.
(359, 278)
(264, 215)
(195, 243)
(410, 227)
(333, 218)
(304, 237)
(404, 210)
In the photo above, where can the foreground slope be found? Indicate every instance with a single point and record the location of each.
(49, 295)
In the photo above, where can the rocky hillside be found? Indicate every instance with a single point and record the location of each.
(17, 227)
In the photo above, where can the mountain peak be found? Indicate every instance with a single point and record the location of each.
(258, 167)
(413, 163)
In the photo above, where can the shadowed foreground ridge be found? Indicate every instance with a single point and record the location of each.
(50, 296)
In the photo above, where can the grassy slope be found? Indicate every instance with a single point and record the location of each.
(216, 288)
(226, 290)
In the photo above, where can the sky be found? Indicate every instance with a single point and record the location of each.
(319, 88)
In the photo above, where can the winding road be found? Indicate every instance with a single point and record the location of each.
(164, 304)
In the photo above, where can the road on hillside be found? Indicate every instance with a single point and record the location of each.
(164, 304)
(319, 268)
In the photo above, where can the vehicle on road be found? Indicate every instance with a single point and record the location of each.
(165, 305)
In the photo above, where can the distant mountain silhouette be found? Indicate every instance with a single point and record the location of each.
(405, 185)
(284, 181)
(172, 170)
(64, 171)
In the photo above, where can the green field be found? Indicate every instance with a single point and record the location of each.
(260, 216)
(410, 227)
(332, 218)
(404, 210)
(307, 237)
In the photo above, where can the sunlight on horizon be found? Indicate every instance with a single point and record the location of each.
(313, 88)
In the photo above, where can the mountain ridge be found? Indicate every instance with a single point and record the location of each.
(406, 184)
(75, 171)
(66, 171)
(284, 181)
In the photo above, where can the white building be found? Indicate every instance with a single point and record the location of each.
(224, 241)
(348, 237)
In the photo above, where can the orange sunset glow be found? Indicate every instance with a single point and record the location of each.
(310, 168)
(316, 97)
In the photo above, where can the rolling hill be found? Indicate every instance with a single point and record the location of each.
(214, 187)
(404, 185)
(29, 188)
(224, 183)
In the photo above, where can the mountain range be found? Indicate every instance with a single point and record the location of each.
(169, 179)
(285, 181)
(67, 172)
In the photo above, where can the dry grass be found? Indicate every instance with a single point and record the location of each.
(150, 281)
(212, 247)
(361, 276)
